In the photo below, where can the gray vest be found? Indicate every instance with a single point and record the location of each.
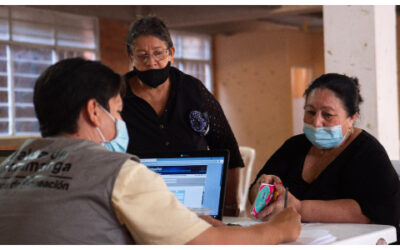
(58, 191)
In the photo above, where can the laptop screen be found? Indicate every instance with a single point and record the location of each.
(196, 179)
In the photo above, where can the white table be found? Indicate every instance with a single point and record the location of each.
(334, 233)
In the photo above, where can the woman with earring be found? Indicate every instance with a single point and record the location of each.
(168, 110)
(335, 171)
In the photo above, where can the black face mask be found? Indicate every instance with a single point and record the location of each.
(153, 77)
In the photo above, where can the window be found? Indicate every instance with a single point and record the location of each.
(31, 40)
(193, 55)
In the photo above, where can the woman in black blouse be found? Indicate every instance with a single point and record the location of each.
(168, 110)
(335, 172)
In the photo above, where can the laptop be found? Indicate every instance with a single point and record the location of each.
(197, 179)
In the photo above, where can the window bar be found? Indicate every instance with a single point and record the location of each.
(10, 90)
(54, 56)
(208, 78)
(10, 80)
(35, 45)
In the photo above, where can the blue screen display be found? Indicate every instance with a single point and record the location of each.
(195, 181)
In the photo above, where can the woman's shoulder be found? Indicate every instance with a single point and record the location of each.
(367, 141)
(191, 87)
(366, 152)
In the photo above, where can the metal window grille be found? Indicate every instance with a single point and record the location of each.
(31, 40)
(193, 55)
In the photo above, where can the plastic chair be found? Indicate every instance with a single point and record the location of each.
(248, 155)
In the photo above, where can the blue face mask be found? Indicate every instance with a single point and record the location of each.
(324, 137)
(120, 142)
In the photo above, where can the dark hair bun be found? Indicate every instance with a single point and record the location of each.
(347, 89)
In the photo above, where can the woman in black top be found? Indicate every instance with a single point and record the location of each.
(334, 171)
(168, 110)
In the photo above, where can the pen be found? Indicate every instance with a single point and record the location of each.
(285, 203)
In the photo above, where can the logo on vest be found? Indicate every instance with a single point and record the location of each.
(27, 169)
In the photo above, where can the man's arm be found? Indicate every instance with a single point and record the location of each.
(143, 203)
(153, 215)
(283, 227)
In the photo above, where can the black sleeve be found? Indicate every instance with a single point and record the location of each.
(220, 135)
(278, 163)
(374, 184)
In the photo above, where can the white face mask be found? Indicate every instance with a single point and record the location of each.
(120, 142)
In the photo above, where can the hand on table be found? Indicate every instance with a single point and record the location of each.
(278, 205)
(288, 223)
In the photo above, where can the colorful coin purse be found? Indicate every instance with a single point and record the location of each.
(266, 194)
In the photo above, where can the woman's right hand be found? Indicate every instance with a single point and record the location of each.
(288, 224)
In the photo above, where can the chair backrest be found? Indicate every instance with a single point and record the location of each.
(396, 165)
(248, 156)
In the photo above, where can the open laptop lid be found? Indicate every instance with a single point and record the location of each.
(196, 178)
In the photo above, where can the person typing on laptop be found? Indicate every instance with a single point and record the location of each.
(76, 186)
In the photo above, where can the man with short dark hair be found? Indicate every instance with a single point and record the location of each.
(69, 187)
